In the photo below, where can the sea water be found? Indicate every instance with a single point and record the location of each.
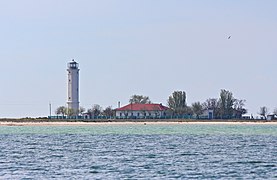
(180, 151)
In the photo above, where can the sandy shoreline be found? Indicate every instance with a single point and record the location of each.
(128, 123)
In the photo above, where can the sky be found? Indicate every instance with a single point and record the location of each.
(145, 47)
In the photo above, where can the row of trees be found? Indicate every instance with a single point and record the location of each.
(225, 106)
(95, 111)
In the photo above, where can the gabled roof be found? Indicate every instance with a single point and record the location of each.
(143, 107)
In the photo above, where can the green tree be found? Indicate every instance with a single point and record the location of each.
(226, 102)
(70, 112)
(139, 99)
(239, 108)
(177, 102)
(95, 111)
(263, 111)
(108, 111)
(212, 104)
(197, 109)
(82, 110)
(61, 110)
(188, 110)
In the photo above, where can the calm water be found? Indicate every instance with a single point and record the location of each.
(139, 152)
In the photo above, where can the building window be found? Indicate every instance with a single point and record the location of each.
(138, 114)
(149, 114)
(120, 114)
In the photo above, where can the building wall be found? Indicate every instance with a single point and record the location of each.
(208, 113)
(139, 114)
(73, 89)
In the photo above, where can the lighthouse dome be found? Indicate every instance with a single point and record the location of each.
(73, 64)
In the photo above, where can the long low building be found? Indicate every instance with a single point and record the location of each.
(142, 111)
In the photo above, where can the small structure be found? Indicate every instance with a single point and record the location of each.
(138, 111)
(247, 116)
(271, 116)
(207, 114)
(73, 87)
(252, 116)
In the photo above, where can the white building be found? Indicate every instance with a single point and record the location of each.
(142, 111)
(252, 116)
(73, 87)
(207, 114)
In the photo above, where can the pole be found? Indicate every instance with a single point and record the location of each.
(50, 109)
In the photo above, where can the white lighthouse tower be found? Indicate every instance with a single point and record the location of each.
(73, 87)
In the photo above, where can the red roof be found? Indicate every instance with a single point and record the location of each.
(143, 107)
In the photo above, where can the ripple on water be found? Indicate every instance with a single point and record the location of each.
(135, 156)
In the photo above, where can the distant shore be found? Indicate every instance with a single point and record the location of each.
(73, 122)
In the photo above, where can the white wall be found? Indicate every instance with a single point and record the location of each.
(141, 113)
(73, 89)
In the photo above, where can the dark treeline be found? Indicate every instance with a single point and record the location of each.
(224, 107)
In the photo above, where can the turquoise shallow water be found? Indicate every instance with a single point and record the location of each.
(148, 129)
(178, 151)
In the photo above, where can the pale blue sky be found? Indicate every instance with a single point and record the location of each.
(126, 47)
